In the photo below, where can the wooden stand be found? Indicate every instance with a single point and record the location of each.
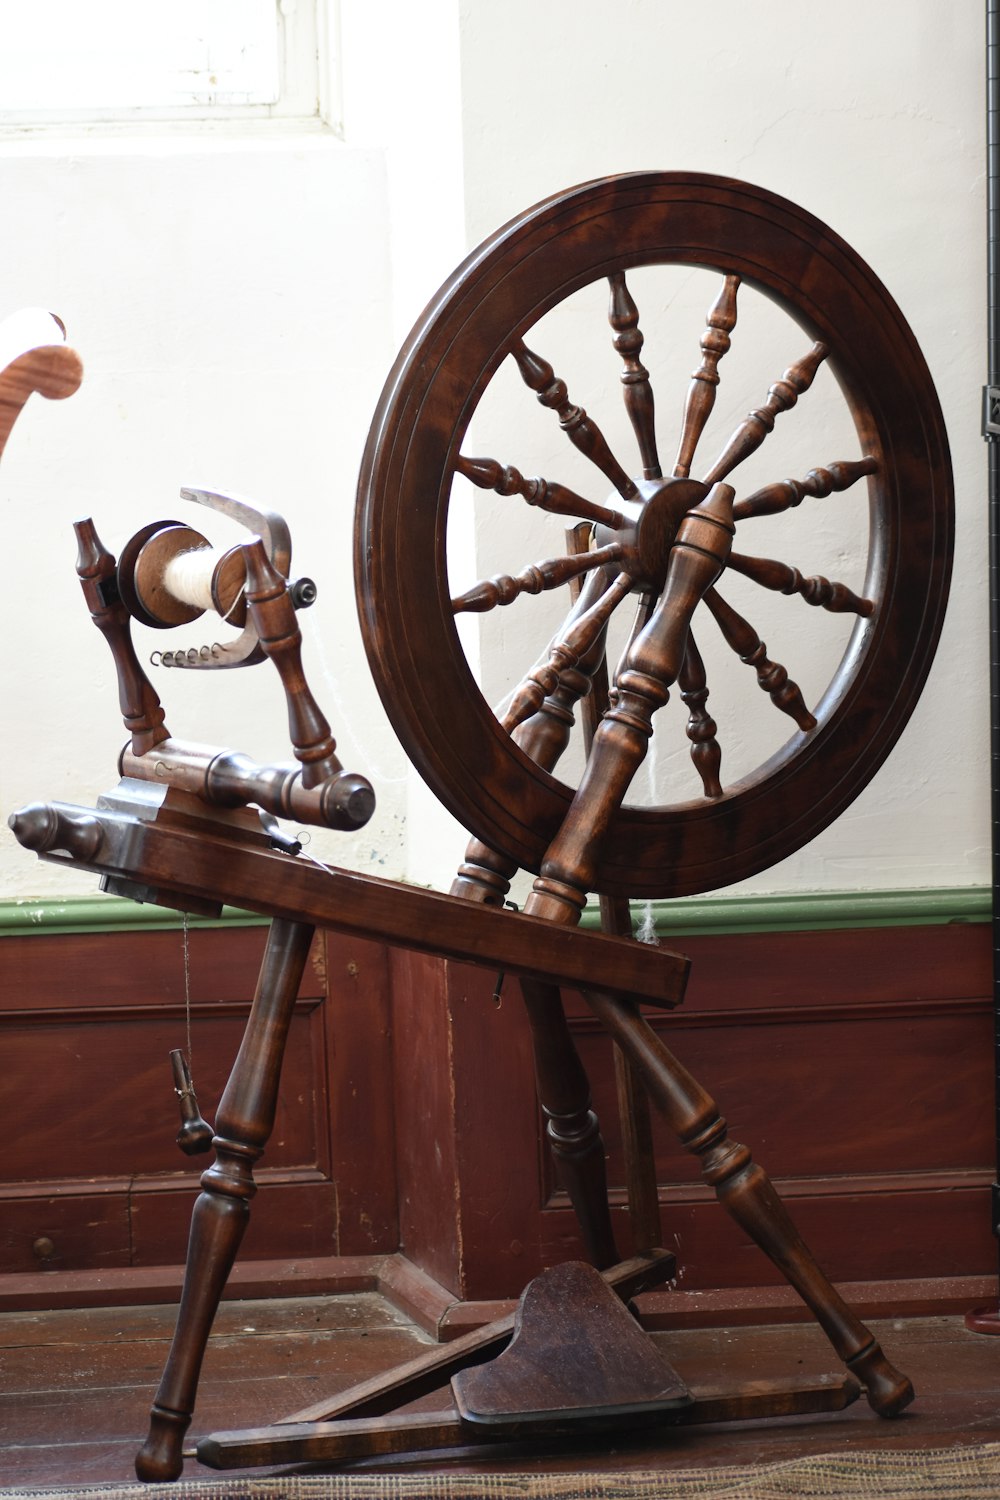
(171, 844)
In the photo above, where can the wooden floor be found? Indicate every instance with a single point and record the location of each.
(75, 1387)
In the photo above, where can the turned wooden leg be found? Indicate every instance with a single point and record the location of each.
(746, 1192)
(572, 1128)
(634, 1116)
(243, 1124)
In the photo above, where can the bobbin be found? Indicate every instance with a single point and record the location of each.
(169, 574)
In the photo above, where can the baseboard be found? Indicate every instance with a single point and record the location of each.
(441, 1314)
(128, 1286)
(740, 1306)
(733, 1307)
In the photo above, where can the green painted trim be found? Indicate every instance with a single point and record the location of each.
(814, 911)
(105, 914)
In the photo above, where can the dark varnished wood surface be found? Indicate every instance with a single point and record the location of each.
(110, 1007)
(176, 857)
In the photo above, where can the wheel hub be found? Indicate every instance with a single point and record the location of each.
(652, 522)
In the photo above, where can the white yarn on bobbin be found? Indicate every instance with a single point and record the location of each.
(188, 577)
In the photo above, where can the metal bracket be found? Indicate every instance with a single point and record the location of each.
(991, 412)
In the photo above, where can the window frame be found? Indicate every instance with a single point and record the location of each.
(308, 91)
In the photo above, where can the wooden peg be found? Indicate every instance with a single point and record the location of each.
(140, 706)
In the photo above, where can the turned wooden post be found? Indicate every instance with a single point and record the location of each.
(243, 1125)
(652, 664)
(571, 1126)
(140, 706)
(747, 1193)
(273, 615)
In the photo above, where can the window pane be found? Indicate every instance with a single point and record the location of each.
(118, 54)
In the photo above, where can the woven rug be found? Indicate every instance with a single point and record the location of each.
(917, 1474)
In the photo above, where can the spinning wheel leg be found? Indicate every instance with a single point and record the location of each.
(243, 1124)
(747, 1193)
(572, 1127)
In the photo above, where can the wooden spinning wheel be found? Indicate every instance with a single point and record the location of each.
(184, 826)
(496, 776)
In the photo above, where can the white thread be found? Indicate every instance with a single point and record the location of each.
(187, 988)
(346, 716)
(646, 930)
(188, 577)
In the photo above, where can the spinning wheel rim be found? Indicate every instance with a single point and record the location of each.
(499, 292)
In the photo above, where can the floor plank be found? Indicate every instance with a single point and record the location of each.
(75, 1388)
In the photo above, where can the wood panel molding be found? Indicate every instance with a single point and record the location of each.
(411, 1131)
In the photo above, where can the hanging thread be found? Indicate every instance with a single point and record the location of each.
(187, 986)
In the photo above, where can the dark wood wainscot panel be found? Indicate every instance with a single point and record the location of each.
(855, 1064)
(90, 1176)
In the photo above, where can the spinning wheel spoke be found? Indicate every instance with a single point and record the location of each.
(584, 433)
(701, 727)
(836, 597)
(623, 315)
(786, 493)
(488, 474)
(715, 341)
(781, 396)
(565, 653)
(504, 588)
(772, 677)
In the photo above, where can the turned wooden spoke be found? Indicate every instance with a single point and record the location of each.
(565, 653)
(555, 498)
(504, 588)
(781, 396)
(485, 874)
(701, 727)
(786, 493)
(715, 341)
(623, 315)
(584, 433)
(836, 597)
(741, 637)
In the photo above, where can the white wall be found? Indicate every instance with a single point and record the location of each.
(871, 117)
(237, 304)
(230, 303)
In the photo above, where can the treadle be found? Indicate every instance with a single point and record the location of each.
(431, 1370)
(576, 1355)
(577, 1361)
(422, 1432)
